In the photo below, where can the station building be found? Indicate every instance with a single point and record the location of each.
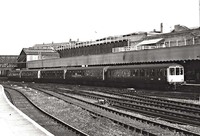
(180, 36)
(32, 53)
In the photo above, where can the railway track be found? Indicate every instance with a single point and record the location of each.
(49, 122)
(195, 108)
(170, 111)
(123, 115)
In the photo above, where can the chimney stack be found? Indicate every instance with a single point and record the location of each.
(161, 27)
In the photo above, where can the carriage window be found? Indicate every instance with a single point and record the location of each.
(172, 71)
(160, 72)
(165, 72)
(132, 72)
(152, 72)
(142, 72)
(136, 72)
(109, 73)
(147, 73)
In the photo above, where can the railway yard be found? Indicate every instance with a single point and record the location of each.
(87, 110)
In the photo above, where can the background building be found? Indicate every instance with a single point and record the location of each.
(7, 62)
(30, 54)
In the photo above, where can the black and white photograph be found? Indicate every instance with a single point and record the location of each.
(100, 67)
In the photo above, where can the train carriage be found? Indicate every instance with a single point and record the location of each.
(14, 75)
(85, 75)
(53, 75)
(145, 76)
(30, 75)
(138, 76)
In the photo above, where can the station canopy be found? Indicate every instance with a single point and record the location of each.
(151, 41)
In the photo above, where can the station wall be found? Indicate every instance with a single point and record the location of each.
(145, 56)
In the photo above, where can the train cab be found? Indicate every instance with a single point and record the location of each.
(175, 74)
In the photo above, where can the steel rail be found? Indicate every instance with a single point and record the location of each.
(60, 95)
(67, 128)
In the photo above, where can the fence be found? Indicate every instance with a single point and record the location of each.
(164, 44)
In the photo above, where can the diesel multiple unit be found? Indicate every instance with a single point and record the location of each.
(137, 76)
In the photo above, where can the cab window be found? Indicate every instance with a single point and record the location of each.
(181, 71)
(172, 71)
(177, 71)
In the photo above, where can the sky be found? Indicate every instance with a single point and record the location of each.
(24, 23)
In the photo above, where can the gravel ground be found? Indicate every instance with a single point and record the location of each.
(82, 119)
(186, 127)
(78, 117)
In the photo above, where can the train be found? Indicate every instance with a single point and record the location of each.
(153, 76)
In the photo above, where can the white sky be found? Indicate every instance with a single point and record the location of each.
(24, 23)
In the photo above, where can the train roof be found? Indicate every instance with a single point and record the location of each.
(30, 70)
(52, 69)
(14, 71)
(164, 65)
(146, 66)
(85, 68)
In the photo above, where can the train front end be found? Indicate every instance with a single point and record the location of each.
(175, 75)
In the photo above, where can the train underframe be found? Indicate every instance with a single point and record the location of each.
(136, 85)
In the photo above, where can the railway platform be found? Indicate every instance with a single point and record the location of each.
(15, 123)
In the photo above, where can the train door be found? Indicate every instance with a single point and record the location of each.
(64, 74)
(105, 73)
(39, 73)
